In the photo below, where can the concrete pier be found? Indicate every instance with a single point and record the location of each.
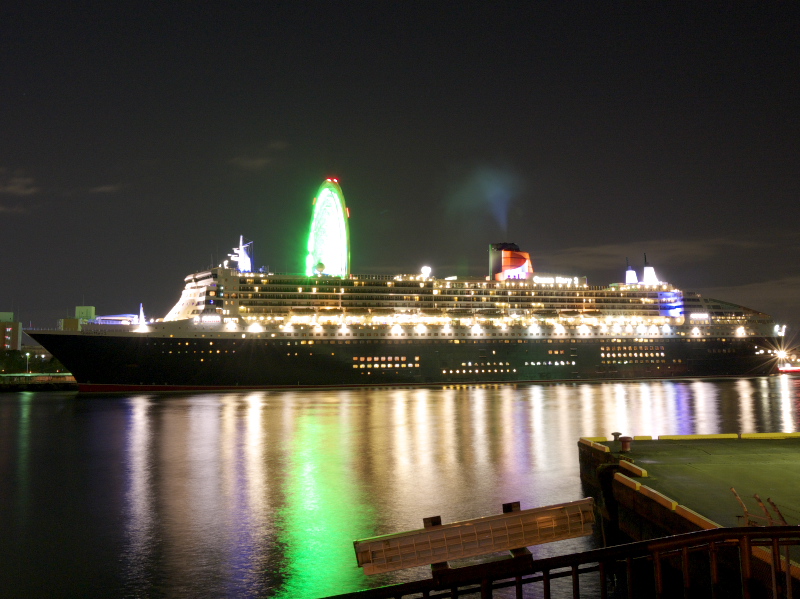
(37, 382)
(682, 483)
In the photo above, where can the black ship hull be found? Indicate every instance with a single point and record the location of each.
(139, 362)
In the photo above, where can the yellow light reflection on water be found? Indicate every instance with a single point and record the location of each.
(449, 423)
(621, 411)
(140, 517)
(423, 427)
(587, 408)
(745, 392)
(399, 426)
(477, 414)
(705, 408)
(539, 447)
(788, 423)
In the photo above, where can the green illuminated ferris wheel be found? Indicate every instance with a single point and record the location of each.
(329, 239)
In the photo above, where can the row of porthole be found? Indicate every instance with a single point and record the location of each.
(556, 363)
(198, 351)
(629, 348)
(386, 365)
(636, 361)
(381, 359)
(632, 355)
(479, 371)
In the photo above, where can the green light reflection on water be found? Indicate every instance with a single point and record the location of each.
(325, 511)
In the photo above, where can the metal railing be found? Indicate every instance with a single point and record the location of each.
(750, 563)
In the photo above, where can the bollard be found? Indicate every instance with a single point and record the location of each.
(626, 443)
(432, 522)
(616, 436)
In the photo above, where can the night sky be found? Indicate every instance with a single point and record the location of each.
(139, 140)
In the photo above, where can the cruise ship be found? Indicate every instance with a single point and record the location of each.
(235, 327)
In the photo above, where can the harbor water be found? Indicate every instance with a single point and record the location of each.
(261, 494)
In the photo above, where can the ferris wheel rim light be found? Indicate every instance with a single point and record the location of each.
(329, 235)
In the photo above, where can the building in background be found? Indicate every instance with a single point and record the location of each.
(10, 332)
(83, 314)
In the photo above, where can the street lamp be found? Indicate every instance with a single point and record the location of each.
(27, 358)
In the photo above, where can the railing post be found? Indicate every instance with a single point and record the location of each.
(657, 574)
(546, 584)
(432, 522)
(712, 559)
(508, 508)
(603, 581)
(776, 567)
(687, 580)
(518, 587)
(576, 588)
(744, 557)
(486, 589)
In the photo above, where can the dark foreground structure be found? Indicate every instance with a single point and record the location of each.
(709, 563)
(679, 551)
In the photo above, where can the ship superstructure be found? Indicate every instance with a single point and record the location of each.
(539, 307)
(235, 327)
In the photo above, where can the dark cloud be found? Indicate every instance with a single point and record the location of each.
(18, 186)
(12, 209)
(676, 252)
(105, 189)
(250, 163)
(17, 189)
(259, 159)
(277, 145)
